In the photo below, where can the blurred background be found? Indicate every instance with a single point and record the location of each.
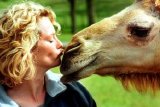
(74, 15)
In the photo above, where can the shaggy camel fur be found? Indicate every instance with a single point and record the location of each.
(125, 46)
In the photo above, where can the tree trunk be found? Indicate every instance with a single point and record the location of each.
(72, 13)
(90, 11)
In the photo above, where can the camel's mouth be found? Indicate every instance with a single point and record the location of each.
(78, 71)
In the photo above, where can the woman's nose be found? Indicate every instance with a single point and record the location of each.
(59, 44)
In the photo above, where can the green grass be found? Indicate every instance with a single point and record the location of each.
(109, 93)
(105, 90)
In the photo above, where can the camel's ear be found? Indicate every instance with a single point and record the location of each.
(156, 4)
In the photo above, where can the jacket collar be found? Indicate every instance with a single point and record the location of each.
(53, 84)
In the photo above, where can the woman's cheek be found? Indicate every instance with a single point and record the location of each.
(54, 53)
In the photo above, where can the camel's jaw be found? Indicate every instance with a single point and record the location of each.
(83, 68)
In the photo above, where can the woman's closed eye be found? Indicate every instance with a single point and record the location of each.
(51, 41)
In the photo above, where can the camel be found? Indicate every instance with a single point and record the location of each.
(125, 46)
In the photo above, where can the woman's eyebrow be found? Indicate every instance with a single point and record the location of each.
(53, 34)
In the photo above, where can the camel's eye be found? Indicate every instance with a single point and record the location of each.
(140, 32)
(140, 35)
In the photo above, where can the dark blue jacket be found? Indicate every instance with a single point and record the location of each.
(74, 96)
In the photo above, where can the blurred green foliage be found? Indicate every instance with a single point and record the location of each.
(62, 9)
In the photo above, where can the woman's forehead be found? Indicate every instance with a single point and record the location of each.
(45, 26)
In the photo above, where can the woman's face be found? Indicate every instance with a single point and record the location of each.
(48, 49)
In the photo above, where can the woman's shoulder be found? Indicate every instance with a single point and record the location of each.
(76, 86)
(5, 100)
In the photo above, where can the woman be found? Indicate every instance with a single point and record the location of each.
(28, 49)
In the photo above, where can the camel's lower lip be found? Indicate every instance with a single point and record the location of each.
(79, 73)
(70, 77)
(76, 75)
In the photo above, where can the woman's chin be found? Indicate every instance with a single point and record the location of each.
(57, 63)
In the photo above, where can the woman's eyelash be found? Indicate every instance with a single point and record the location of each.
(50, 41)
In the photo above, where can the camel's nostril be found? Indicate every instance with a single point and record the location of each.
(87, 37)
(73, 47)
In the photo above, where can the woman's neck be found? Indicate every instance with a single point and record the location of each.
(29, 92)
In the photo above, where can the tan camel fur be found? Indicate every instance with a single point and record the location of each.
(125, 46)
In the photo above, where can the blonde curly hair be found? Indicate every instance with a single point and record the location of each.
(18, 35)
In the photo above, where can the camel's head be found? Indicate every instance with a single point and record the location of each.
(125, 45)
